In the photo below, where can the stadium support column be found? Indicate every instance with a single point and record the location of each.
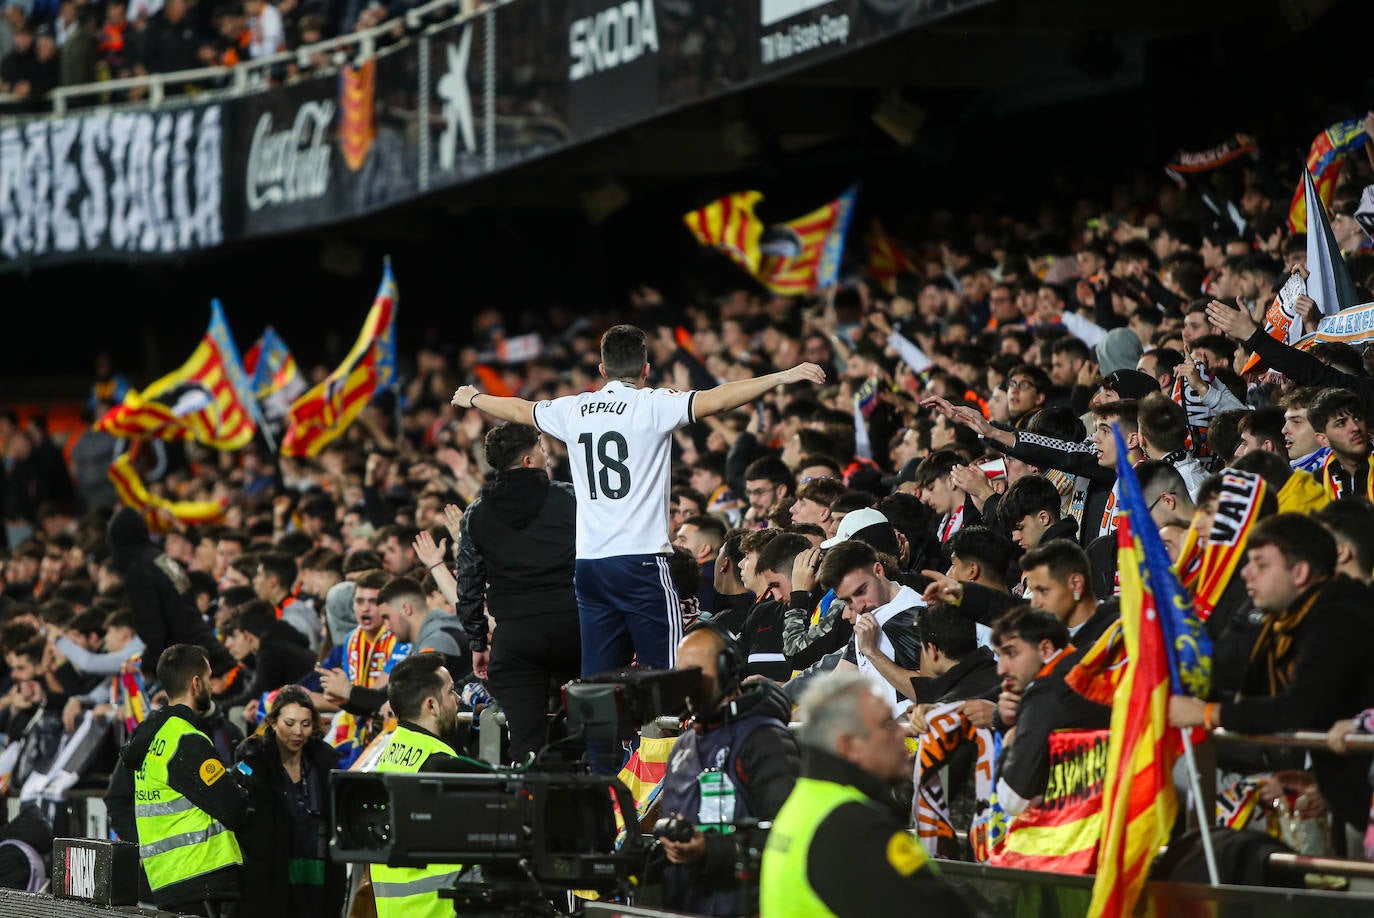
(489, 90)
(422, 67)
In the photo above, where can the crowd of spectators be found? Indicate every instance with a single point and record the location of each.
(951, 486)
(45, 44)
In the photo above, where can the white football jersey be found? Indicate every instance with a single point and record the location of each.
(620, 447)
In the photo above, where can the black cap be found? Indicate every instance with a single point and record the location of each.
(907, 473)
(1131, 383)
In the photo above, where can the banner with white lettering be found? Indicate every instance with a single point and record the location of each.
(613, 62)
(434, 112)
(321, 150)
(111, 183)
(799, 33)
(1353, 326)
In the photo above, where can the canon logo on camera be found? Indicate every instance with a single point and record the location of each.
(614, 36)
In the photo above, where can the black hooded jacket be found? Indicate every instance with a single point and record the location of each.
(162, 615)
(283, 657)
(31, 828)
(517, 552)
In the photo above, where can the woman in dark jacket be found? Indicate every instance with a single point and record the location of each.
(286, 867)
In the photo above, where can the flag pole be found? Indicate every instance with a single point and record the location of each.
(1204, 823)
(265, 430)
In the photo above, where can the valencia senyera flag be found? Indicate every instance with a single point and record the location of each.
(160, 514)
(327, 410)
(729, 225)
(1324, 160)
(207, 399)
(276, 380)
(886, 260)
(1167, 651)
(803, 255)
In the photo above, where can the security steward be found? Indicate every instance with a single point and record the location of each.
(735, 763)
(186, 801)
(425, 702)
(840, 846)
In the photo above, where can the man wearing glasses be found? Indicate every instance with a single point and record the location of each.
(1027, 386)
(766, 481)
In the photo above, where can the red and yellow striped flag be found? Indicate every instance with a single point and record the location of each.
(643, 776)
(814, 250)
(730, 225)
(161, 515)
(207, 399)
(327, 410)
(1139, 805)
(357, 123)
(1324, 160)
(886, 260)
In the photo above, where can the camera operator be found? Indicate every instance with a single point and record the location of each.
(840, 844)
(423, 698)
(736, 762)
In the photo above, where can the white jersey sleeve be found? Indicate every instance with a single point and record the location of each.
(670, 408)
(551, 416)
(619, 443)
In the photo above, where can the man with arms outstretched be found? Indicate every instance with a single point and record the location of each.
(619, 441)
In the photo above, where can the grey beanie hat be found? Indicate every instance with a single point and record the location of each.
(338, 610)
(1118, 351)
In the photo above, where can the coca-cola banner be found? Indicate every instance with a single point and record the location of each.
(323, 150)
(116, 184)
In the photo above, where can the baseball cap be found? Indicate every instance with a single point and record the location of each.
(906, 473)
(866, 525)
(1131, 383)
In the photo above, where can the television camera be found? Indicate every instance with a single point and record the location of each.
(525, 836)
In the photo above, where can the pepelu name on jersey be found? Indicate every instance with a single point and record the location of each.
(603, 408)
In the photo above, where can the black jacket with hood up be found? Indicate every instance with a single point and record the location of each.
(163, 616)
(518, 552)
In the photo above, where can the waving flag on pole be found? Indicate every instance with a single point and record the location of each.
(161, 515)
(207, 399)
(803, 255)
(273, 374)
(1328, 277)
(886, 260)
(1324, 160)
(327, 410)
(730, 225)
(1167, 651)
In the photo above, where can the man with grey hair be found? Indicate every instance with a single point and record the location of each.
(840, 845)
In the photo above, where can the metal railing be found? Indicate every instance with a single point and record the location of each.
(251, 75)
(1356, 743)
(1302, 739)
